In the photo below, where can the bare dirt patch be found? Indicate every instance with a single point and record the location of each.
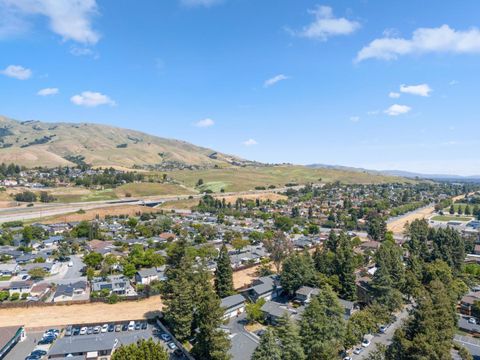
(34, 317)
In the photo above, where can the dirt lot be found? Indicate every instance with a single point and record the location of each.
(80, 314)
(101, 212)
(398, 226)
(266, 196)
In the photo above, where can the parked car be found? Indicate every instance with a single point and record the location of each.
(172, 345)
(97, 329)
(125, 327)
(32, 357)
(39, 352)
(104, 328)
(111, 328)
(165, 337)
(68, 331)
(90, 330)
(46, 341)
(178, 353)
(76, 331)
(131, 326)
(366, 342)
(358, 351)
(144, 326)
(472, 320)
(138, 326)
(118, 328)
(384, 328)
(83, 330)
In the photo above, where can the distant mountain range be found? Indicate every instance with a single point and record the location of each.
(406, 174)
(35, 143)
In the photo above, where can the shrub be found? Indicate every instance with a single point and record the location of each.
(14, 297)
(25, 295)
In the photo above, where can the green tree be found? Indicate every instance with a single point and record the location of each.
(376, 226)
(279, 248)
(143, 349)
(129, 270)
(254, 310)
(322, 327)
(224, 274)
(269, 348)
(290, 340)
(37, 273)
(451, 210)
(211, 342)
(93, 260)
(298, 270)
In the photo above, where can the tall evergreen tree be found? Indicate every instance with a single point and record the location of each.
(224, 274)
(211, 342)
(269, 348)
(322, 327)
(291, 343)
(297, 271)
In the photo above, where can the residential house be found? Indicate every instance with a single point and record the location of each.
(146, 276)
(233, 305)
(20, 287)
(273, 311)
(305, 293)
(115, 284)
(8, 269)
(266, 287)
(70, 292)
(39, 291)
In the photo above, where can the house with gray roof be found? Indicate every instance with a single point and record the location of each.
(115, 284)
(233, 305)
(70, 292)
(265, 287)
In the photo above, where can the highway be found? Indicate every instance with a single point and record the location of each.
(39, 211)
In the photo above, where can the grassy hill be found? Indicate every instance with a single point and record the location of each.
(247, 178)
(35, 143)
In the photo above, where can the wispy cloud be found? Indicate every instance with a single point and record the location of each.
(250, 142)
(396, 110)
(91, 99)
(420, 90)
(393, 95)
(17, 72)
(48, 92)
(355, 118)
(442, 39)
(277, 78)
(327, 25)
(205, 123)
(72, 20)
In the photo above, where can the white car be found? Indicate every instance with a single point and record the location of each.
(70, 264)
(366, 343)
(472, 320)
(83, 330)
(131, 326)
(104, 328)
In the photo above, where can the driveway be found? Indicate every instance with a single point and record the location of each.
(385, 338)
(243, 343)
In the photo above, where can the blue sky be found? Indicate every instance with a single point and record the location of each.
(377, 84)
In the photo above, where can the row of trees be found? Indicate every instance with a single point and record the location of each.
(192, 305)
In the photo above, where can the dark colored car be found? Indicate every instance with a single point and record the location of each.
(111, 328)
(38, 352)
(76, 331)
(32, 357)
(125, 327)
(138, 326)
(179, 353)
(46, 341)
(144, 326)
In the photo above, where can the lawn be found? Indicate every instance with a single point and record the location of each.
(457, 206)
(450, 218)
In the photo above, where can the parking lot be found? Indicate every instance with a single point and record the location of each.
(113, 335)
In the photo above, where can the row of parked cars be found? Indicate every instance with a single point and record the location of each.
(367, 340)
(98, 329)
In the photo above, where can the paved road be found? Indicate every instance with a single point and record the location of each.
(385, 338)
(23, 349)
(473, 345)
(46, 210)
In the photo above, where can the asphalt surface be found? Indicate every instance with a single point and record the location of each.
(472, 345)
(385, 338)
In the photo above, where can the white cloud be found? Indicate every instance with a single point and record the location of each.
(205, 123)
(326, 25)
(396, 110)
(442, 39)
(394, 95)
(91, 99)
(48, 91)
(272, 81)
(205, 3)
(83, 51)
(250, 142)
(71, 19)
(355, 118)
(373, 112)
(454, 82)
(17, 72)
(420, 90)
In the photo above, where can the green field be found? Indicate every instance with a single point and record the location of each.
(451, 218)
(247, 178)
(457, 206)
